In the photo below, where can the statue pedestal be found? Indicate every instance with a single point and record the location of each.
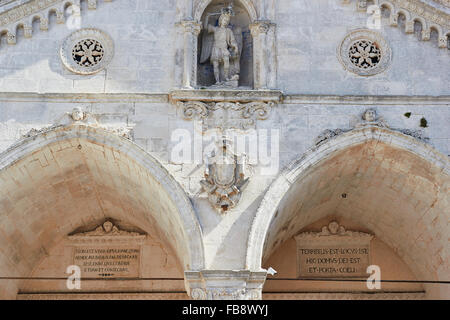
(230, 84)
(226, 108)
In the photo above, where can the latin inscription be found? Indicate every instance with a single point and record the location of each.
(333, 261)
(98, 262)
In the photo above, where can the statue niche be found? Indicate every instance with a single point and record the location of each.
(225, 55)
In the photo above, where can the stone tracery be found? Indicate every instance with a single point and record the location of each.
(88, 52)
(364, 54)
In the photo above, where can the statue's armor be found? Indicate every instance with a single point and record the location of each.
(223, 37)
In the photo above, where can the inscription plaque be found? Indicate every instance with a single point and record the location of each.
(333, 253)
(107, 261)
(107, 251)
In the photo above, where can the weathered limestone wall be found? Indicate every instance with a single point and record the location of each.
(146, 56)
(153, 120)
(319, 94)
(65, 185)
(298, 121)
(143, 33)
(392, 267)
(157, 261)
(394, 195)
(308, 34)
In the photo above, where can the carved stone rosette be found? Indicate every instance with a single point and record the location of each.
(364, 52)
(87, 51)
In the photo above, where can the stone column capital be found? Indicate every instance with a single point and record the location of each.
(190, 26)
(225, 284)
(261, 27)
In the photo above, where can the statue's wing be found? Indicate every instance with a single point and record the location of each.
(237, 32)
(207, 45)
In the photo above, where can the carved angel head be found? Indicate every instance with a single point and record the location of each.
(370, 115)
(77, 114)
(107, 226)
(333, 227)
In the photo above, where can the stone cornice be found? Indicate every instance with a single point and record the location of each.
(265, 296)
(365, 99)
(25, 10)
(421, 9)
(164, 98)
(23, 15)
(104, 296)
(445, 3)
(226, 95)
(430, 17)
(84, 97)
(101, 235)
(344, 296)
(107, 240)
(328, 234)
(6, 5)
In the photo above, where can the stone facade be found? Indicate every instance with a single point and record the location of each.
(342, 116)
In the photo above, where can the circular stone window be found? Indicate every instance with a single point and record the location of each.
(87, 51)
(364, 52)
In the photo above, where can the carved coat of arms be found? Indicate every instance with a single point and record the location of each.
(224, 178)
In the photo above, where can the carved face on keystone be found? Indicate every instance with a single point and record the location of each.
(108, 226)
(370, 115)
(77, 114)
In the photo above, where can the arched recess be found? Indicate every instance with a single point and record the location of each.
(394, 185)
(241, 25)
(65, 178)
(201, 5)
(260, 67)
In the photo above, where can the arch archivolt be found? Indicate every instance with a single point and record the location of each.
(199, 7)
(71, 176)
(395, 185)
